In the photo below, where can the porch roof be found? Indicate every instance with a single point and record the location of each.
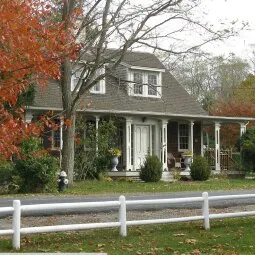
(207, 119)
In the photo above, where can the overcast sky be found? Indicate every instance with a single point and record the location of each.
(243, 10)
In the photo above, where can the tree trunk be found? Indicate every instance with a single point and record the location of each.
(67, 163)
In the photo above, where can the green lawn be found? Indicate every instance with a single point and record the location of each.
(121, 187)
(226, 237)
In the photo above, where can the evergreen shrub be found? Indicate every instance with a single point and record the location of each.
(151, 171)
(200, 169)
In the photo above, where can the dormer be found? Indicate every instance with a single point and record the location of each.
(145, 82)
(98, 88)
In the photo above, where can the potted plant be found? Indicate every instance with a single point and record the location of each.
(187, 155)
(114, 153)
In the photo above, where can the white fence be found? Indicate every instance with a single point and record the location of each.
(122, 203)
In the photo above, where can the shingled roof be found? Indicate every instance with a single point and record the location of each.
(174, 97)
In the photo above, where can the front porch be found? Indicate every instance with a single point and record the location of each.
(151, 133)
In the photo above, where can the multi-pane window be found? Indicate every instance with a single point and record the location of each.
(183, 136)
(75, 80)
(146, 83)
(152, 84)
(99, 87)
(138, 83)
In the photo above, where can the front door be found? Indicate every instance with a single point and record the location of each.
(142, 144)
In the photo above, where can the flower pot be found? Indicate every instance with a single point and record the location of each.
(115, 162)
(187, 163)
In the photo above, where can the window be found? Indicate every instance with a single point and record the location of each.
(138, 83)
(99, 87)
(152, 84)
(55, 135)
(183, 136)
(145, 83)
(75, 79)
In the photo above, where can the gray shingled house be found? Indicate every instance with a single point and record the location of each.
(156, 115)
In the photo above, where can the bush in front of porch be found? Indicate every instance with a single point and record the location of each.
(151, 171)
(200, 169)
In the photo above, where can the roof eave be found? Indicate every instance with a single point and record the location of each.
(164, 115)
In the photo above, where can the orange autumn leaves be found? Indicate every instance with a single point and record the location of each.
(32, 46)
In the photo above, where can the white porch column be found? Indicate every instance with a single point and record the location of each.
(28, 116)
(242, 128)
(191, 136)
(97, 121)
(217, 146)
(202, 140)
(164, 144)
(128, 144)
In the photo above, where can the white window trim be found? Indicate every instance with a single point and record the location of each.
(102, 89)
(179, 149)
(145, 84)
(72, 80)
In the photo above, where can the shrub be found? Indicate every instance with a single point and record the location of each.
(200, 169)
(6, 172)
(151, 171)
(247, 146)
(7, 184)
(36, 170)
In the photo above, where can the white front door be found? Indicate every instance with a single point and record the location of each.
(142, 144)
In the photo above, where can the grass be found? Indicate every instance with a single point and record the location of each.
(226, 237)
(122, 187)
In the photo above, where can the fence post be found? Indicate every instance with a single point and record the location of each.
(16, 225)
(123, 216)
(205, 210)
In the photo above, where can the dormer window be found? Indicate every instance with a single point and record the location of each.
(138, 83)
(98, 88)
(75, 79)
(145, 83)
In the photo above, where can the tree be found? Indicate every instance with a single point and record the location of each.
(30, 52)
(246, 90)
(232, 108)
(106, 23)
(209, 78)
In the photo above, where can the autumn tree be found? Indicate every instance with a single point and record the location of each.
(232, 108)
(30, 53)
(123, 25)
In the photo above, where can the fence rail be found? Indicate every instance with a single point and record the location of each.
(17, 210)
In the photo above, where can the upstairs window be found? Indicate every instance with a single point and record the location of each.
(152, 84)
(145, 83)
(98, 88)
(75, 79)
(138, 83)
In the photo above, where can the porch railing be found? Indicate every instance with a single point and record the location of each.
(226, 159)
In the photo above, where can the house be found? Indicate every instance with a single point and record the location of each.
(155, 113)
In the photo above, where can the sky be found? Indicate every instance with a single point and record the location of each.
(228, 10)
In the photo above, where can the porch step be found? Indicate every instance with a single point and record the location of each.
(134, 176)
